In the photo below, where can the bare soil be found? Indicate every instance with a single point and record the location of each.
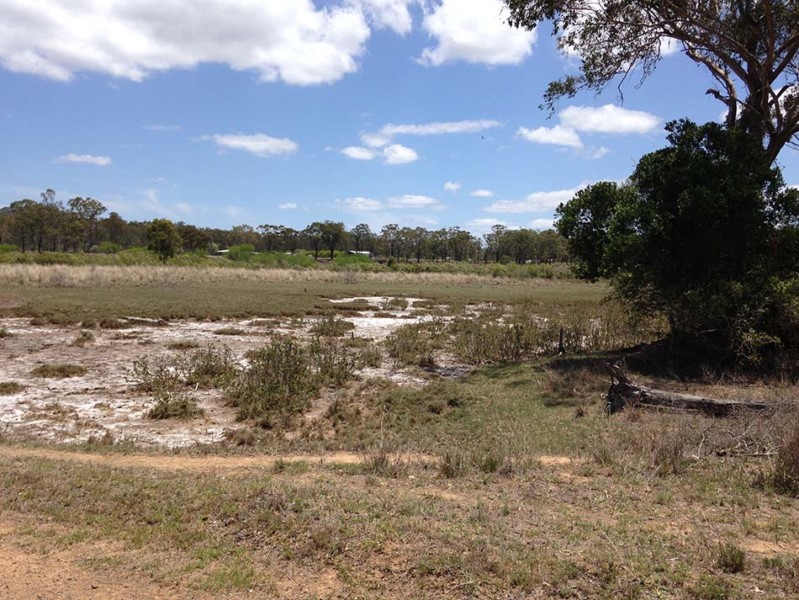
(104, 403)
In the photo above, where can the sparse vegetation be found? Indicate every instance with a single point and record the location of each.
(83, 339)
(331, 327)
(174, 404)
(59, 371)
(9, 388)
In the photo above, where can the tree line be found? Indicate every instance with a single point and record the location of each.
(85, 225)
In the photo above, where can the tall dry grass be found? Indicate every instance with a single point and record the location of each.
(103, 276)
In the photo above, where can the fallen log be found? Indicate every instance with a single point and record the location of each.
(624, 392)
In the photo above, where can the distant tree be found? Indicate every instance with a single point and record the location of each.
(86, 213)
(362, 238)
(334, 234)
(23, 222)
(749, 47)
(391, 239)
(115, 228)
(270, 234)
(313, 234)
(163, 239)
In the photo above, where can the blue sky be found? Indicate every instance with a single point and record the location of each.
(223, 112)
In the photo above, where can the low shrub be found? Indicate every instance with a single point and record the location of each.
(9, 388)
(279, 381)
(331, 327)
(59, 371)
(174, 405)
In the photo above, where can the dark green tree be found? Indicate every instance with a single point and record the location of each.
(163, 239)
(748, 47)
(334, 234)
(704, 232)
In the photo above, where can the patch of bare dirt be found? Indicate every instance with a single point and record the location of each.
(62, 575)
(104, 404)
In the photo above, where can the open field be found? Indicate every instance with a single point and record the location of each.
(436, 447)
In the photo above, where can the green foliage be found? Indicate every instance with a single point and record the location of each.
(331, 326)
(6, 248)
(108, 248)
(163, 239)
(241, 252)
(174, 404)
(705, 233)
(278, 382)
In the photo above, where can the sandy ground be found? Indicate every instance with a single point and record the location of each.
(104, 402)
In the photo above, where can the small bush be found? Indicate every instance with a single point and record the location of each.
(331, 327)
(174, 405)
(9, 388)
(370, 356)
(395, 304)
(229, 331)
(731, 558)
(415, 344)
(59, 371)
(183, 345)
(5, 333)
(108, 248)
(240, 253)
(279, 381)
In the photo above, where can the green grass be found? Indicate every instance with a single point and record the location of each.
(232, 299)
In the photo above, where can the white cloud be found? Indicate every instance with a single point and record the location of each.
(596, 153)
(86, 159)
(536, 202)
(482, 194)
(440, 128)
(475, 32)
(287, 206)
(393, 14)
(387, 132)
(281, 40)
(541, 224)
(360, 204)
(359, 153)
(259, 144)
(481, 226)
(397, 154)
(607, 119)
(452, 186)
(556, 136)
(414, 201)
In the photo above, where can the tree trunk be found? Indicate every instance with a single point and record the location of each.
(624, 392)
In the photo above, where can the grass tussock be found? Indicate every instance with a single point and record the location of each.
(183, 345)
(331, 327)
(9, 388)
(5, 333)
(83, 339)
(59, 371)
(174, 404)
(229, 331)
(785, 475)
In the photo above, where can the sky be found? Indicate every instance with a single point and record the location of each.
(228, 112)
